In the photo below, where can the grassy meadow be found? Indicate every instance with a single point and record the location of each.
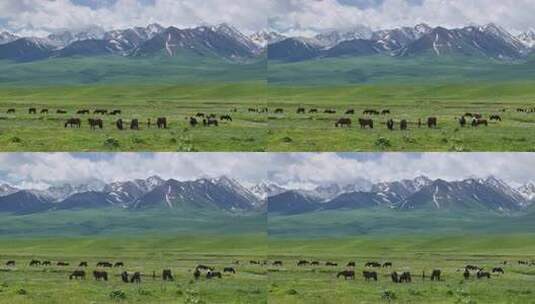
(147, 254)
(414, 253)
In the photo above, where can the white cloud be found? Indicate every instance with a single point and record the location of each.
(39, 17)
(287, 169)
(320, 15)
(315, 168)
(44, 169)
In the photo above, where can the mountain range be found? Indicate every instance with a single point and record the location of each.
(490, 194)
(228, 195)
(222, 41)
(489, 41)
(222, 194)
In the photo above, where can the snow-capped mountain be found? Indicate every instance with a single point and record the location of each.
(222, 40)
(483, 195)
(528, 39)
(266, 189)
(216, 194)
(332, 38)
(6, 37)
(6, 189)
(263, 38)
(528, 192)
(490, 41)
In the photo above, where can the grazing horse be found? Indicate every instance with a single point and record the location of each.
(369, 275)
(118, 264)
(63, 264)
(314, 263)
(303, 263)
(347, 274)
(384, 112)
(10, 263)
(73, 123)
(370, 112)
(343, 122)
(46, 263)
(35, 263)
(313, 111)
(44, 111)
(403, 124)
(82, 264)
(477, 116)
(404, 277)
(193, 121)
(61, 112)
(498, 270)
(167, 275)
(161, 122)
(495, 117)
(466, 274)
(390, 124)
(372, 264)
(95, 123)
(477, 121)
(199, 114)
(124, 277)
(32, 111)
(204, 267)
(432, 122)
(209, 122)
(435, 275)
(331, 264)
(279, 111)
(213, 274)
(387, 264)
(301, 111)
(225, 117)
(81, 112)
(77, 274)
(277, 263)
(364, 122)
(115, 112)
(134, 124)
(119, 124)
(462, 121)
(100, 111)
(100, 275)
(483, 274)
(350, 112)
(229, 269)
(105, 264)
(329, 111)
(136, 278)
(351, 264)
(11, 111)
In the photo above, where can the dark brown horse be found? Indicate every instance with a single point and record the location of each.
(435, 275)
(365, 122)
(369, 275)
(73, 123)
(347, 274)
(300, 111)
(167, 275)
(213, 274)
(134, 124)
(403, 125)
(11, 111)
(432, 122)
(95, 123)
(477, 122)
(229, 269)
(343, 122)
(161, 122)
(77, 274)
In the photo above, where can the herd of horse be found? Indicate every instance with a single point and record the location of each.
(474, 119)
(133, 124)
(100, 273)
(369, 274)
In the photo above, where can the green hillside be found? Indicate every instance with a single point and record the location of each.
(117, 70)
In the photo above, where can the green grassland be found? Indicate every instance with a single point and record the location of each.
(146, 241)
(24, 132)
(414, 253)
(142, 88)
(413, 89)
(147, 254)
(447, 102)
